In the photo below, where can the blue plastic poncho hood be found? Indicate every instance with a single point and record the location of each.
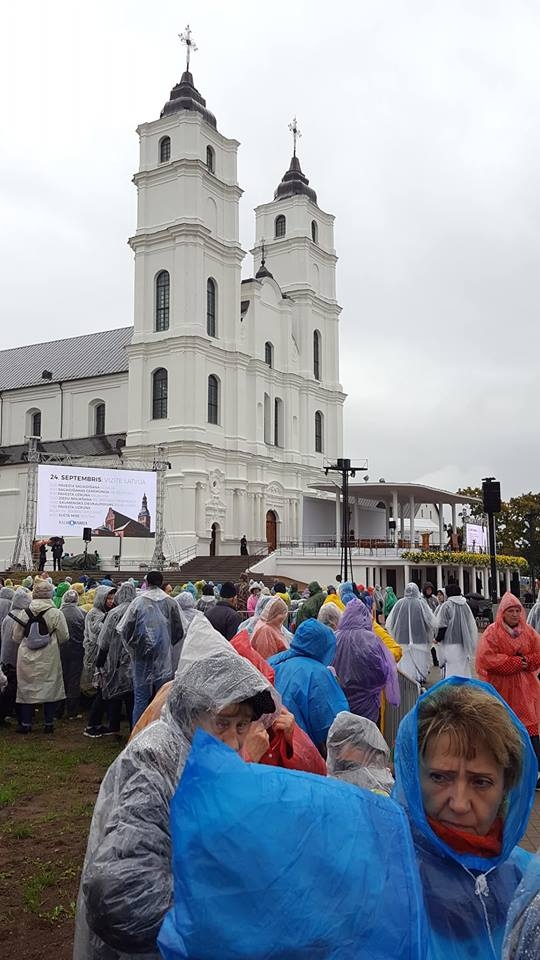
(274, 864)
(467, 897)
(312, 639)
(346, 592)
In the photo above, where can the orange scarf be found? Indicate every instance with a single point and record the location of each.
(463, 842)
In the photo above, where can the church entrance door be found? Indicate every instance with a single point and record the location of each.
(271, 531)
(214, 540)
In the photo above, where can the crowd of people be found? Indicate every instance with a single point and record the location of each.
(298, 680)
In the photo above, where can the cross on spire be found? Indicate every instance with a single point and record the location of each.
(263, 252)
(190, 44)
(295, 130)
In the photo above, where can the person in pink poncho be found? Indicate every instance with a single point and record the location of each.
(267, 638)
(254, 594)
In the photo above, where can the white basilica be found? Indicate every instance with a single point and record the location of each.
(238, 379)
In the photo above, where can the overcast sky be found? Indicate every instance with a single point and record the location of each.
(420, 123)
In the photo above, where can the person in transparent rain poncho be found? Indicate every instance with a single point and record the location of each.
(413, 625)
(189, 611)
(250, 624)
(522, 936)
(113, 661)
(330, 615)
(150, 627)
(533, 618)
(358, 753)
(457, 635)
(126, 884)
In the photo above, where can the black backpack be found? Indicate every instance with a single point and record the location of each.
(36, 631)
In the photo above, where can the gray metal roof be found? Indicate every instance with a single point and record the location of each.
(75, 358)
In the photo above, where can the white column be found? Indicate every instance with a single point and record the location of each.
(395, 509)
(439, 577)
(454, 518)
(460, 578)
(402, 521)
(441, 524)
(412, 509)
(485, 578)
(406, 575)
(507, 580)
(299, 520)
(338, 518)
(473, 579)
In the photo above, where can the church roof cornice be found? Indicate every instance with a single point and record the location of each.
(190, 166)
(192, 230)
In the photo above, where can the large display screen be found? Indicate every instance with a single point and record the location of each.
(111, 502)
(477, 538)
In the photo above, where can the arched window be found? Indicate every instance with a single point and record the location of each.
(269, 354)
(316, 355)
(164, 149)
(35, 423)
(267, 420)
(314, 231)
(99, 419)
(162, 300)
(213, 399)
(211, 307)
(318, 431)
(280, 226)
(278, 422)
(160, 394)
(210, 159)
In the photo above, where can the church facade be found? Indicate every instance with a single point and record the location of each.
(238, 379)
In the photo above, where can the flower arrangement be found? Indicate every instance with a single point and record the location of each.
(476, 560)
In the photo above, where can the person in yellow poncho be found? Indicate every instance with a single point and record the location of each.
(334, 598)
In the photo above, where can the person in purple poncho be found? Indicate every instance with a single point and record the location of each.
(361, 662)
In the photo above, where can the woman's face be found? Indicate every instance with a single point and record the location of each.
(460, 793)
(231, 725)
(511, 616)
(109, 600)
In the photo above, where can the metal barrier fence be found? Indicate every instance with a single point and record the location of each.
(409, 693)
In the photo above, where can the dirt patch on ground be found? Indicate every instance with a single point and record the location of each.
(48, 786)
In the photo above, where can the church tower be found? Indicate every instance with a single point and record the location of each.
(298, 241)
(187, 264)
(144, 515)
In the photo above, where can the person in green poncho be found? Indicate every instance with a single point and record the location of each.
(313, 604)
(61, 589)
(390, 600)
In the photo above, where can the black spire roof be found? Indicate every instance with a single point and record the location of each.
(185, 96)
(263, 271)
(294, 183)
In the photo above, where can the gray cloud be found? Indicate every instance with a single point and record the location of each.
(420, 135)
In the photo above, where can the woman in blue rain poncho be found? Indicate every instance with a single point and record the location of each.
(308, 689)
(126, 882)
(466, 775)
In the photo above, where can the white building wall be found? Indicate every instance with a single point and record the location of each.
(67, 411)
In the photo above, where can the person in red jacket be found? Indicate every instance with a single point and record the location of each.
(508, 657)
(284, 743)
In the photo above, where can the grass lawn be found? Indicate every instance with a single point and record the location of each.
(48, 785)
